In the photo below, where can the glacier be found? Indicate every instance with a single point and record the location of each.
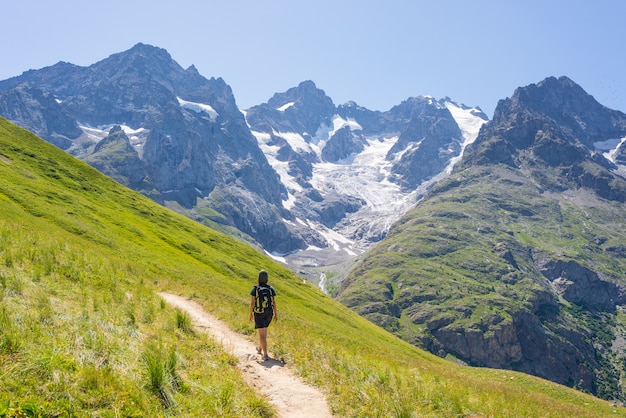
(365, 175)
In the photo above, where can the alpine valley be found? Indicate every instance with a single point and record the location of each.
(494, 243)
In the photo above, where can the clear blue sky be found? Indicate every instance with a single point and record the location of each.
(377, 53)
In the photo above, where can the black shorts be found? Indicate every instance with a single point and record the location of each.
(263, 320)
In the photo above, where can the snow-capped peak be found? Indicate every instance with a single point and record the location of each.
(340, 175)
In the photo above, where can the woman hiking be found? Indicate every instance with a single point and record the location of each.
(262, 310)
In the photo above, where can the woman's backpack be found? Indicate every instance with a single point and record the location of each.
(263, 299)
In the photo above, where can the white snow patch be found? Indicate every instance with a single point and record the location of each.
(137, 137)
(290, 202)
(295, 141)
(198, 108)
(285, 106)
(94, 134)
(609, 147)
(366, 177)
(278, 258)
(339, 123)
(281, 167)
(469, 124)
(334, 239)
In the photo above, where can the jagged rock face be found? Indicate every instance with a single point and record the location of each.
(556, 107)
(374, 122)
(582, 286)
(555, 123)
(301, 109)
(341, 145)
(115, 156)
(29, 107)
(196, 138)
(430, 140)
(577, 114)
(515, 260)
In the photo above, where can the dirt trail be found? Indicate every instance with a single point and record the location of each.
(291, 397)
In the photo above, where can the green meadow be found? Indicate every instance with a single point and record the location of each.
(83, 331)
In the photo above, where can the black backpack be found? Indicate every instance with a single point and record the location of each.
(263, 299)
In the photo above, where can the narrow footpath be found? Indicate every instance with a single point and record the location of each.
(291, 397)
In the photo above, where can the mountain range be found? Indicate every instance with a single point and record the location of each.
(297, 176)
(496, 243)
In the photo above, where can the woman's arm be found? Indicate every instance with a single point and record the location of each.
(274, 308)
(252, 300)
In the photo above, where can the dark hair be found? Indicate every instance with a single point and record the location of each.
(263, 277)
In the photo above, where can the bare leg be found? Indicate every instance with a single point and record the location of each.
(263, 340)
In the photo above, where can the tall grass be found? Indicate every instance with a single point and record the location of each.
(183, 321)
(163, 379)
(72, 328)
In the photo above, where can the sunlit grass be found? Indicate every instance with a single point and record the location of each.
(83, 332)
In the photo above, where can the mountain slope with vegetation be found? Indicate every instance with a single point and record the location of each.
(517, 259)
(84, 333)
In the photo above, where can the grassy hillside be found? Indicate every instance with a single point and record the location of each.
(83, 333)
(463, 267)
